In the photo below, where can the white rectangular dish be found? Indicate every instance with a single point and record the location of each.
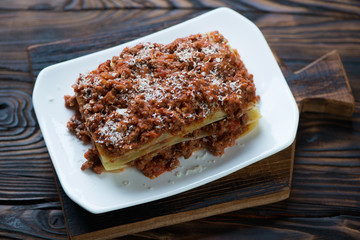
(112, 191)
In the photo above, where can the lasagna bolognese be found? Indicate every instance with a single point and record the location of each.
(155, 103)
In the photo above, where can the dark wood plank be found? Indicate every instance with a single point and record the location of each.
(32, 5)
(324, 198)
(78, 228)
(323, 86)
(15, 105)
(231, 226)
(41, 27)
(328, 150)
(335, 7)
(300, 35)
(269, 177)
(329, 66)
(298, 39)
(303, 200)
(25, 169)
(35, 221)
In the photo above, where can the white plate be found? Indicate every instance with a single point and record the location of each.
(107, 192)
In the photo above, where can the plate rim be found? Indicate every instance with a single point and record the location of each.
(99, 209)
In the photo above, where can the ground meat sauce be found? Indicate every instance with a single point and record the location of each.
(151, 88)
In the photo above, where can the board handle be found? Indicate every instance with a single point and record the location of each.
(322, 86)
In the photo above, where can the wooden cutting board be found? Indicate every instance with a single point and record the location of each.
(322, 87)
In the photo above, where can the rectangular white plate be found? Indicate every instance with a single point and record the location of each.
(108, 191)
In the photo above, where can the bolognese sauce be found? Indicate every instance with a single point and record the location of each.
(152, 88)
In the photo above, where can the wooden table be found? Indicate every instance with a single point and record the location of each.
(325, 195)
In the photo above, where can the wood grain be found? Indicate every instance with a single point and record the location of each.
(328, 67)
(336, 7)
(270, 178)
(324, 198)
(297, 39)
(35, 221)
(231, 226)
(41, 27)
(25, 169)
(299, 31)
(322, 86)
(15, 105)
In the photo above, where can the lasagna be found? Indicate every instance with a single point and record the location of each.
(155, 103)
